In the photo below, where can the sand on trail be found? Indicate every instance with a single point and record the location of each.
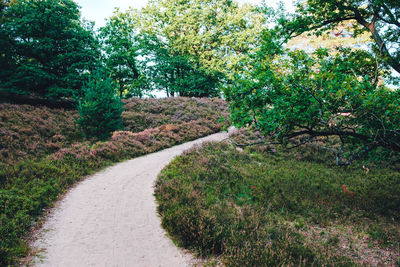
(110, 218)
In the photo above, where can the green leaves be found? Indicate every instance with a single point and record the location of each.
(120, 47)
(217, 34)
(46, 49)
(99, 109)
(380, 18)
(305, 96)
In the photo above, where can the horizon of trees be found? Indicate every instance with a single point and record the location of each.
(184, 48)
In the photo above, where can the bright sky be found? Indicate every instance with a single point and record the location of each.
(99, 10)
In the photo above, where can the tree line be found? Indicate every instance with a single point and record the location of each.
(184, 48)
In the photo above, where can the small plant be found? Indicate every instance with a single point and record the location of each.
(99, 108)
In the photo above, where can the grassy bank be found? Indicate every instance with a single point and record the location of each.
(293, 208)
(44, 153)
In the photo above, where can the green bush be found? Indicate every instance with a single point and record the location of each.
(99, 108)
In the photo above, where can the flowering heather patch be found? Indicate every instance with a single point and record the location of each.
(125, 144)
(141, 114)
(28, 132)
(255, 207)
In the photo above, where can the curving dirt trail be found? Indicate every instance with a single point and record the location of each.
(110, 218)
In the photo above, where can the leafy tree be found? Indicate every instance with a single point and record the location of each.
(216, 34)
(121, 51)
(176, 73)
(99, 108)
(381, 18)
(295, 96)
(6, 48)
(49, 51)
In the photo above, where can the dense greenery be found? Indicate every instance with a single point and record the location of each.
(381, 18)
(43, 153)
(120, 57)
(99, 108)
(217, 33)
(176, 74)
(183, 48)
(255, 208)
(45, 48)
(189, 48)
(329, 93)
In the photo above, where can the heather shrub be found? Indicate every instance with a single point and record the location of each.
(28, 132)
(99, 108)
(262, 208)
(141, 114)
(29, 187)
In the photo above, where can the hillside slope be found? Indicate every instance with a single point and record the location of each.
(43, 152)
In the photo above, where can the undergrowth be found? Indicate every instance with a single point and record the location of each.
(28, 132)
(44, 153)
(266, 206)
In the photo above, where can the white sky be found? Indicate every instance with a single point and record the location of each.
(99, 10)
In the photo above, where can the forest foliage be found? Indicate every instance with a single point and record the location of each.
(45, 48)
(182, 48)
(343, 98)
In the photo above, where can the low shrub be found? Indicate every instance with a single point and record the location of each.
(261, 208)
(141, 114)
(28, 132)
(27, 189)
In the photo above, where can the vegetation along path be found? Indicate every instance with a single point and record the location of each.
(110, 218)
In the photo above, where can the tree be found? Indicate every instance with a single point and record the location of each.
(307, 98)
(216, 34)
(99, 108)
(6, 48)
(177, 73)
(381, 18)
(50, 50)
(121, 51)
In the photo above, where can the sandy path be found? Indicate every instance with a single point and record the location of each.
(110, 218)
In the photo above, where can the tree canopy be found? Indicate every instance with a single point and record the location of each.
(216, 34)
(120, 48)
(381, 18)
(46, 49)
(332, 98)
